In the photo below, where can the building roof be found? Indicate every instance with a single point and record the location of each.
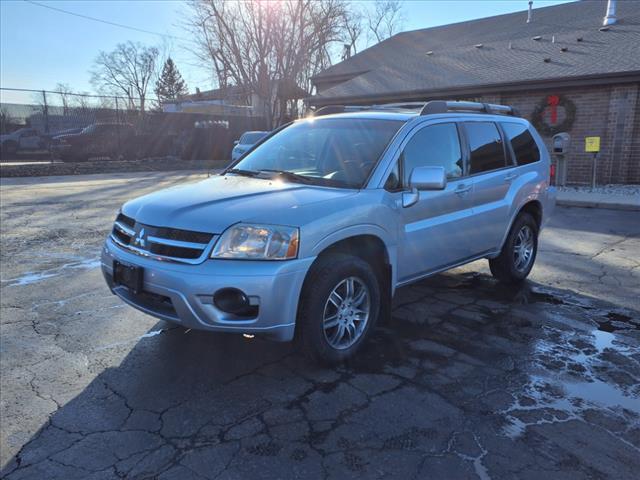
(216, 94)
(491, 52)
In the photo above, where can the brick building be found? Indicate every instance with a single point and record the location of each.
(560, 66)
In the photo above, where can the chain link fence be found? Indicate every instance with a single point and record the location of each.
(59, 126)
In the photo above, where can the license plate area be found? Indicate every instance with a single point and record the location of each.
(129, 276)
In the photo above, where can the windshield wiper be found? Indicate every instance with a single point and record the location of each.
(294, 177)
(246, 173)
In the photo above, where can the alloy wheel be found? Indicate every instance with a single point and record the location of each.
(523, 248)
(346, 313)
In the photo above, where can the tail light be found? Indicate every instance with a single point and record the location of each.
(552, 174)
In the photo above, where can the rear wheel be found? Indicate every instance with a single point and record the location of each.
(339, 307)
(519, 251)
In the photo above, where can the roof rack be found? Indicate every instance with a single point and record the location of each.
(393, 107)
(442, 106)
(429, 108)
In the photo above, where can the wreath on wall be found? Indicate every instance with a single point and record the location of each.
(548, 125)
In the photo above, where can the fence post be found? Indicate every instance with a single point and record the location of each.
(118, 128)
(45, 112)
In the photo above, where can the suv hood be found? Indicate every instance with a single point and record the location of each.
(220, 201)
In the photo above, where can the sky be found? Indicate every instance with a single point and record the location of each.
(40, 47)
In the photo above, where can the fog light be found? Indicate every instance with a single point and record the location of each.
(234, 301)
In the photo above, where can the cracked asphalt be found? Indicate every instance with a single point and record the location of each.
(468, 380)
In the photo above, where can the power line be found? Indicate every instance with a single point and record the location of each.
(107, 22)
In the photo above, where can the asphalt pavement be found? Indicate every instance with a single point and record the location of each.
(469, 379)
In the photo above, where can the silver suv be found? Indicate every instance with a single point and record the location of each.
(309, 233)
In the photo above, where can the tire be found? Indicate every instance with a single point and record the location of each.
(510, 266)
(321, 318)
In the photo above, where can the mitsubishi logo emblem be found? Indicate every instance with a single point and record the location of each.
(139, 240)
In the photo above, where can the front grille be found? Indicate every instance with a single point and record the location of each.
(161, 242)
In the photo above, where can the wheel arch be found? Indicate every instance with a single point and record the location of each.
(369, 242)
(370, 247)
(532, 206)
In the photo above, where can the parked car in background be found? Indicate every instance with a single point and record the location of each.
(24, 139)
(247, 140)
(309, 234)
(97, 140)
(68, 131)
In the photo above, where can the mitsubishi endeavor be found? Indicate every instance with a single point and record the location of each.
(311, 231)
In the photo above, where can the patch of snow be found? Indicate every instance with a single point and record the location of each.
(35, 277)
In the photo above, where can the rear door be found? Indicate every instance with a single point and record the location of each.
(434, 230)
(492, 172)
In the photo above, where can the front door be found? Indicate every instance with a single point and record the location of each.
(434, 233)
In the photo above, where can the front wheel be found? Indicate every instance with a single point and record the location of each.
(339, 307)
(519, 251)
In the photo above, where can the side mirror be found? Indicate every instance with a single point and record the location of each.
(428, 178)
(424, 178)
(236, 142)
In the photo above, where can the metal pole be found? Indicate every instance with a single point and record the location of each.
(593, 176)
(45, 112)
(118, 128)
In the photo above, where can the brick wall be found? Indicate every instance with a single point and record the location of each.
(611, 112)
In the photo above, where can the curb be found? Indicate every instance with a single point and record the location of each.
(591, 204)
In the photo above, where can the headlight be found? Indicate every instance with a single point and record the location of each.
(257, 242)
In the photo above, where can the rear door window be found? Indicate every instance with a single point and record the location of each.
(485, 147)
(522, 142)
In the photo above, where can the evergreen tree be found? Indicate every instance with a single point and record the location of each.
(170, 85)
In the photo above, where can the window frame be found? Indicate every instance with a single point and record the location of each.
(512, 151)
(399, 155)
(509, 159)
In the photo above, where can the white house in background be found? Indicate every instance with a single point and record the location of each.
(240, 101)
(221, 101)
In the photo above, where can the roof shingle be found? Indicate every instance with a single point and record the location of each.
(509, 54)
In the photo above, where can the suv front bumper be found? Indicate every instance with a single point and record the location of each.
(183, 294)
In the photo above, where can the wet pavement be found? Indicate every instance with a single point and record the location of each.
(469, 379)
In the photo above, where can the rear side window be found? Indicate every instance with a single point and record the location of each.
(523, 144)
(435, 145)
(251, 138)
(485, 146)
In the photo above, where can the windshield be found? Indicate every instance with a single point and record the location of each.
(251, 137)
(330, 151)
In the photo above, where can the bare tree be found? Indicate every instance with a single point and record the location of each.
(64, 91)
(272, 49)
(7, 121)
(385, 19)
(81, 102)
(353, 28)
(128, 70)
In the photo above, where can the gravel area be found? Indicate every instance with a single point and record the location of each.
(613, 189)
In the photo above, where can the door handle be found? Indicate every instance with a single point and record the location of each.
(462, 190)
(511, 176)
